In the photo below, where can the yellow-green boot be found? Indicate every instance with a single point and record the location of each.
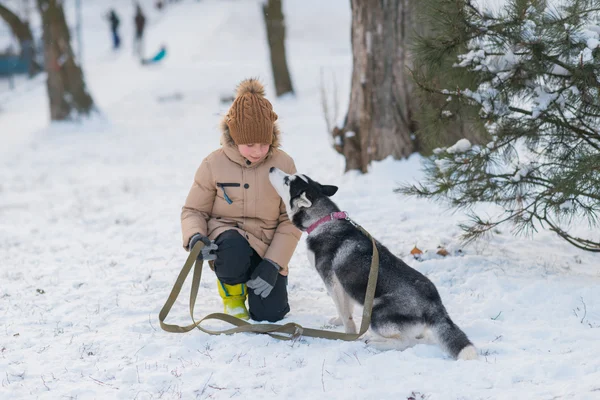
(234, 299)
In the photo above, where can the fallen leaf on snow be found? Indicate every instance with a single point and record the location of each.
(415, 251)
(442, 252)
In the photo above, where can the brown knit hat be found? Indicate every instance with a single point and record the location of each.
(250, 118)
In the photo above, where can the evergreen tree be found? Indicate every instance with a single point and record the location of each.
(533, 73)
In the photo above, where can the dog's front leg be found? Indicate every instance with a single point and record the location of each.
(344, 306)
(347, 305)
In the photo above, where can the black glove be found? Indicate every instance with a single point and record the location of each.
(264, 277)
(208, 252)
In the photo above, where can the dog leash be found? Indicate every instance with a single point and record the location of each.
(289, 331)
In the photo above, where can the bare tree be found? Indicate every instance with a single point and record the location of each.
(274, 21)
(379, 121)
(67, 91)
(22, 32)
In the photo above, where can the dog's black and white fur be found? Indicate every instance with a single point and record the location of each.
(407, 306)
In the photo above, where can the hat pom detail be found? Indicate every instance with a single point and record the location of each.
(251, 85)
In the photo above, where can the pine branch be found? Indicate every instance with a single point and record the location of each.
(531, 76)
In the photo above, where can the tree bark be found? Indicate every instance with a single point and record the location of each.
(19, 28)
(22, 32)
(274, 21)
(379, 122)
(67, 91)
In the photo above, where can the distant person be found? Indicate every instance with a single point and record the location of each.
(140, 24)
(162, 52)
(114, 28)
(159, 4)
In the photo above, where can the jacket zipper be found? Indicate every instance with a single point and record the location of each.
(223, 186)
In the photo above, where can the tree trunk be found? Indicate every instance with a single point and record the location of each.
(276, 36)
(379, 122)
(66, 86)
(22, 32)
(19, 28)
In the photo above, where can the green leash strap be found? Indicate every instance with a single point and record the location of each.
(287, 331)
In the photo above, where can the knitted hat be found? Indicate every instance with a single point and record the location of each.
(250, 118)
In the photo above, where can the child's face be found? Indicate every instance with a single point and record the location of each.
(254, 151)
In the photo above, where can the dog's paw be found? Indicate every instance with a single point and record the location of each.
(350, 327)
(336, 321)
(382, 344)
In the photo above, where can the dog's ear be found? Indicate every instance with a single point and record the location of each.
(303, 201)
(329, 190)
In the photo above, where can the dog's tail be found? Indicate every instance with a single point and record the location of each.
(453, 339)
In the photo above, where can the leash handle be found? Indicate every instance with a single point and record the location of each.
(288, 331)
(292, 330)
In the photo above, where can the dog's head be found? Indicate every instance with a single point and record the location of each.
(303, 197)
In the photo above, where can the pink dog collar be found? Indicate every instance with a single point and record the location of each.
(330, 217)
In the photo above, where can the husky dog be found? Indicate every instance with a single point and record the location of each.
(407, 307)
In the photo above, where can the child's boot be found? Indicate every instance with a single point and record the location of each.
(234, 299)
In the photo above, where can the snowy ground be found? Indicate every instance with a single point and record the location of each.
(90, 239)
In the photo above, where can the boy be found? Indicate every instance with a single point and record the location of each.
(233, 209)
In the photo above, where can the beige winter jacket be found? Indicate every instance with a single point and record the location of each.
(256, 211)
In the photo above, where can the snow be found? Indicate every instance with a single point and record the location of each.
(90, 238)
(586, 55)
(472, 57)
(542, 101)
(559, 70)
(443, 165)
(461, 146)
(592, 43)
(567, 205)
(521, 173)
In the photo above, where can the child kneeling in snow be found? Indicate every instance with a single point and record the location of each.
(233, 209)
